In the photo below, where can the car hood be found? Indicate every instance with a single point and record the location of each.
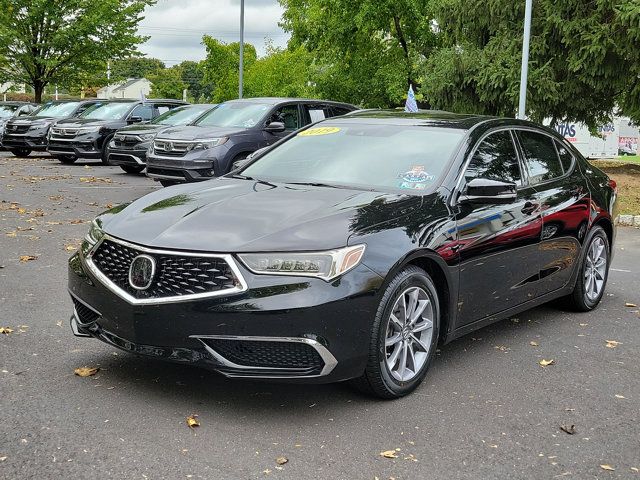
(87, 122)
(141, 129)
(30, 120)
(194, 132)
(232, 215)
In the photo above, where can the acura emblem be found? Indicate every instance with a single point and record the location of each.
(141, 272)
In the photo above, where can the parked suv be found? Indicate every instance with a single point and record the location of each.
(230, 132)
(9, 110)
(128, 147)
(22, 135)
(88, 136)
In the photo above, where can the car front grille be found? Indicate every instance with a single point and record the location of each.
(126, 141)
(176, 275)
(269, 354)
(64, 132)
(11, 128)
(85, 314)
(172, 148)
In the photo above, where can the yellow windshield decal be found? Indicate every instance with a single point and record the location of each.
(312, 132)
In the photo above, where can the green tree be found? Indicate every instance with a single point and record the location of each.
(584, 60)
(135, 67)
(281, 73)
(45, 42)
(167, 83)
(221, 67)
(192, 74)
(370, 51)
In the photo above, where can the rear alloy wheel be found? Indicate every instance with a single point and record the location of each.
(66, 159)
(21, 152)
(592, 277)
(132, 168)
(404, 336)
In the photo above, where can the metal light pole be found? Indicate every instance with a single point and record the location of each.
(525, 59)
(241, 48)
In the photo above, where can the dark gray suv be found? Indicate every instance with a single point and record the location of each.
(229, 133)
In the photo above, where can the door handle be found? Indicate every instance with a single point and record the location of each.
(529, 208)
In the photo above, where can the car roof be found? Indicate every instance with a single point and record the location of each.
(17, 102)
(276, 100)
(429, 118)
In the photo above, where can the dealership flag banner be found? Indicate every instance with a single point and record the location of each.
(411, 105)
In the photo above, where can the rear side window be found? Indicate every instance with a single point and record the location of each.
(495, 159)
(566, 158)
(317, 113)
(337, 111)
(540, 156)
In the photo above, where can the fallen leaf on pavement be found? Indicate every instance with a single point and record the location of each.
(628, 304)
(71, 248)
(22, 211)
(570, 429)
(607, 467)
(612, 343)
(281, 460)
(27, 258)
(620, 396)
(76, 221)
(2, 459)
(633, 469)
(109, 206)
(6, 330)
(192, 421)
(95, 179)
(11, 234)
(533, 344)
(86, 371)
(545, 363)
(389, 454)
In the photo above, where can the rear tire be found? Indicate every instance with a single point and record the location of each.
(66, 159)
(132, 168)
(593, 273)
(403, 339)
(21, 152)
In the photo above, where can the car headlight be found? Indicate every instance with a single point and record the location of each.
(91, 129)
(208, 143)
(36, 125)
(95, 233)
(325, 265)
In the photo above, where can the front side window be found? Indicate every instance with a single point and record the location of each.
(289, 115)
(400, 158)
(495, 159)
(145, 112)
(540, 156)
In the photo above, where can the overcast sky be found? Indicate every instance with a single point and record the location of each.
(176, 27)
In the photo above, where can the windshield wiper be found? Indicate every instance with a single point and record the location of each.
(315, 184)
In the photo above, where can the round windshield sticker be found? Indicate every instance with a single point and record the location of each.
(416, 178)
(312, 132)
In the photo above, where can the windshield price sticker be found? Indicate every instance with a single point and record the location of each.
(313, 132)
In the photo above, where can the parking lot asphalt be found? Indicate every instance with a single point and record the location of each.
(487, 409)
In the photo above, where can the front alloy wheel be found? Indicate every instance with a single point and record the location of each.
(404, 336)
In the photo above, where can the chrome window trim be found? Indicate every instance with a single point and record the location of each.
(161, 300)
(329, 360)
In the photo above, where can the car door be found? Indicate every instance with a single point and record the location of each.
(497, 243)
(290, 116)
(564, 199)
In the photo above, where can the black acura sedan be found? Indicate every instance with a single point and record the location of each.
(350, 249)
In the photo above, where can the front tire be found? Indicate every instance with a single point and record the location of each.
(21, 152)
(104, 156)
(404, 336)
(66, 159)
(593, 273)
(132, 168)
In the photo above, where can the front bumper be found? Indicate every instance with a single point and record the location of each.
(316, 331)
(192, 167)
(36, 141)
(135, 156)
(82, 146)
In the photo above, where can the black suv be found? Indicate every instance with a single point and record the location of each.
(22, 135)
(88, 136)
(9, 110)
(230, 132)
(128, 147)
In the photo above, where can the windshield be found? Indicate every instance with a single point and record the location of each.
(56, 110)
(234, 114)
(371, 156)
(7, 110)
(107, 111)
(181, 116)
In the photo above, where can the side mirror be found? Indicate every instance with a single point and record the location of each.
(23, 113)
(275, 127)
(135, 120)
(487, 191)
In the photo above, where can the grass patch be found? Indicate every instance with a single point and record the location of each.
(627, 175)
